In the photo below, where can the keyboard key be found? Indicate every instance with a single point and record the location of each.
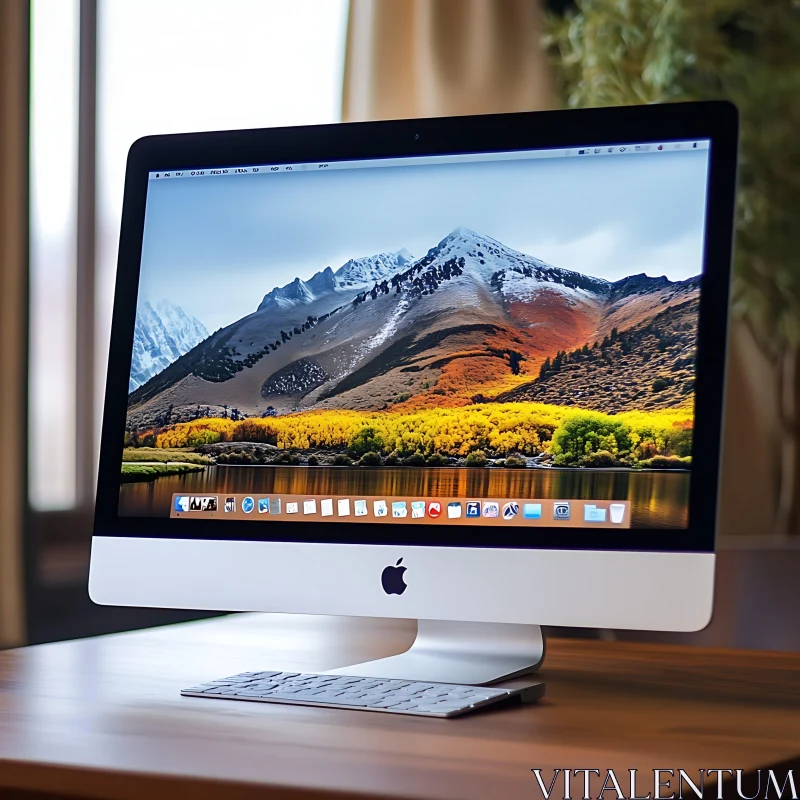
(387, 703)
(371, 699)
(435, 693)
(413, 688)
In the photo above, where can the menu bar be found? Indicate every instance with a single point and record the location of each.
(404, 510)
(587, 151)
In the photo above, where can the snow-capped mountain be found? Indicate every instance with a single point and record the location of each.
(512, 271)
(468, 317)
(162, 334)
(295, 293)
(357, 273)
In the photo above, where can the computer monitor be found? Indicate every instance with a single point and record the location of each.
(463, 370)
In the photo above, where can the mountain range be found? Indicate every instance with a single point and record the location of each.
(162, 334)
(470, 321)
(355, 274)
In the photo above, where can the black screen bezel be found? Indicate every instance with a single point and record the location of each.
(715, 121)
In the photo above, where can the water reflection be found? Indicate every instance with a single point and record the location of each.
(658, 499)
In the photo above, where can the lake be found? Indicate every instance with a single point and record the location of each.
(658, 499)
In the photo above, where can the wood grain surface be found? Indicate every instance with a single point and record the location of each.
(103, 718)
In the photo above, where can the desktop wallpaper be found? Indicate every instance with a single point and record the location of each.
(517, 328)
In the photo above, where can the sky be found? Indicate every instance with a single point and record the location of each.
(216, 246)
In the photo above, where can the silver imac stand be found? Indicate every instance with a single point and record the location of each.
(471, 653)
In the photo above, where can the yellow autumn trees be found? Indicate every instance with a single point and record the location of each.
(501, 428)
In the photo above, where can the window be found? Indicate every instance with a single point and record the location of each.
(162, 66)
(53, 251)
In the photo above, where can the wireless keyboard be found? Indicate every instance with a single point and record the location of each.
(365, 694)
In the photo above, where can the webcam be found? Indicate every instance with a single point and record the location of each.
(416, 136)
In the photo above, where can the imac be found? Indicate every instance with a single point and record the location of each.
(468, 371)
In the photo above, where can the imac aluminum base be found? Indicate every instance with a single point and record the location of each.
(471, 653)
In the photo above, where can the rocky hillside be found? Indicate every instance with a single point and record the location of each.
(648, 366)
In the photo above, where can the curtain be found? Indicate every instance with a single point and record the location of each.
(14, 26)
(420, 58)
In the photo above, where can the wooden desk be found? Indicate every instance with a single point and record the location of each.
(103, 718)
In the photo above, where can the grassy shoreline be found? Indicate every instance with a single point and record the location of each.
(136, 473)
(164, 455)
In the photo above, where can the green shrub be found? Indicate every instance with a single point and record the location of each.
(369, 460)
(341, 460)
(680, 443)
(602, 458)
(515, 462)
(477, 458)
(667, 462)
(436, 460)
(313, 461)
(414, 460)
(238, 457)
(584, 434)
(392, 460)
(367, 440)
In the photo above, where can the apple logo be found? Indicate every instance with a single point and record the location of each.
(392, 579)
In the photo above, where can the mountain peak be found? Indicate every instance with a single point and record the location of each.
(463, 234)
(366, 271)
(489, 257)
(294, 293)
(323, 281)
(638, 284)
(403, 256)
(162, 334)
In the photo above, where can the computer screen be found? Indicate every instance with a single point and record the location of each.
(485, 339)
